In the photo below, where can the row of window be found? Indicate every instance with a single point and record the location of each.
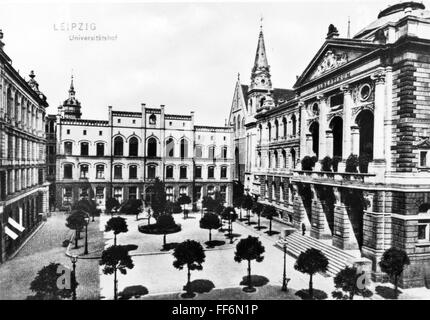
(133, 148)
(12, 181)
(276, 134)
(132, 172)
(277, 160)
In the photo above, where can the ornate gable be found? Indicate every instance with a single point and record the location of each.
(334, 54)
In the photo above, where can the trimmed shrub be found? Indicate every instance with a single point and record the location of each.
(308, 163)
(326, 164)
(335, 162)
(351, 163)
(363, 163)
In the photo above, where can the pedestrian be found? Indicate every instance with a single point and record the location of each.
(303, 229)
(149, 215)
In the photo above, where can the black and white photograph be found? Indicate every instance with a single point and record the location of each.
(230, 151)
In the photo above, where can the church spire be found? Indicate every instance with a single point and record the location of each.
(72, 88)
(260, 76)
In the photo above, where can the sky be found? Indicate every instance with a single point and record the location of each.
(181, 54)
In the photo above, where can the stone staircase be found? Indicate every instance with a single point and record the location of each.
(297, 243)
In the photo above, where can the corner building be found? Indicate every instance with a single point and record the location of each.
(369, 96)
(23, 186)
(121, 157)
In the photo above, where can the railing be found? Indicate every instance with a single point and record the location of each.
(352, 177)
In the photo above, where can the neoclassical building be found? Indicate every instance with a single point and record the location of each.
(23, 186)
(120, 157)
(367, 96)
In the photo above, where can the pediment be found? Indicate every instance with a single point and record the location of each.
(424, 144)
(331, 56)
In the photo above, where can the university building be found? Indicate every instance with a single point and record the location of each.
(366, 95)
(121, 157)
(23, 186)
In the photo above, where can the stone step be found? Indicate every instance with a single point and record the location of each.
(297, 243)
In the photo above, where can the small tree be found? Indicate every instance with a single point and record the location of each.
(210, 221)
(183, 200)
(165, 223)
(346, 281)
(117, 225)
(89, 206)
(237, 203)
(189, 253)
(158, 199)
(393, 263)
(76, 221)
(132, 206)
(230, 215)
(311, 261)
(257, 208)
(113, 259)
(112, 204)
(247, 203)
(249, 249)
(45, 284)
(269, 212)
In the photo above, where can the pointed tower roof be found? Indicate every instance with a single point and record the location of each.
(260, 62)
(72, 107)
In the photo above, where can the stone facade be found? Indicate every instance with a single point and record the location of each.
(121, 157)
(366, 96)
(23, 186)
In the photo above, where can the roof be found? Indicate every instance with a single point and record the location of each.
(245, 92)
(282, 95)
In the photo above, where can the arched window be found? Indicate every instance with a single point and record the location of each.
(266, 189)
(269, 131)
(9, 102)
(224, 152)
(211, 172)
(117, 171)
(211, 154)
(132, 172)
(284, 159)
(183, 172)
(314, 129)
(152, 147)
(275, 156)
(184, 148)
(84, 171)
(152, 119)
(170, 148)
(269, 159)
(276, 130)
(294, 125)
(259, 159)
(281, 192)
(293, 158)
(238, 122)
(133, 147)
(151, 171)
(118, 146)
(223, 172)
(284, 125)
(260, 130)
(68, 171)
(273, 193)
(100, 149)
(169, 172)
(243, 123)
(100, 171)
(68, 148)
(84, 148)
(199, 152)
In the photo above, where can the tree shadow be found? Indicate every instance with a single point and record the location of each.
(256, 281)
(214, 243)
(200, 286)
(223, 229)
(387, 292)
(169, 246)
(260, 227)
(271, 233)
(132, 291)
(233, 235)
(318, 294)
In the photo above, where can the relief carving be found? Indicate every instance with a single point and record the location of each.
(331, 60)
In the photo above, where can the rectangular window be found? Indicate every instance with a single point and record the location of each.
(423, 231)
(67, 195)
(132, 172)
(117, 193)
(169, 172)
(100, 149)
(83, 194)
(199, 153)
(100, 171)
(68, 131)
(183, 190)
(84, 149)
(100, 193)
(169, 194)
(117, 172)
(132, 192)
(211, 172)
(100, 133)
(119, 120)
(223, 172)
(151, 172)
(198, 172)
(198, 190)
(68, 171)
(211, 153)
(84, 171)
(183, 173)
(85, 132)
(423, 159)
(67, 148)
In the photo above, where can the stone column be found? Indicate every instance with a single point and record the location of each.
(355, 140)
(379, 111)
(346, 134)
(299, 211)
(320, 228)
(322, 150)
(329, 143)
(303, 129)
(388, 123)
(343, 234)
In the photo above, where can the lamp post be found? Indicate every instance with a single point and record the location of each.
(87, 220)
(74, 259)
(93, 209)
(284, 277)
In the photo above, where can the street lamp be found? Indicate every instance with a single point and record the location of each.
(93, 209)
(87, 221)
(284, 277)
(74, 259)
